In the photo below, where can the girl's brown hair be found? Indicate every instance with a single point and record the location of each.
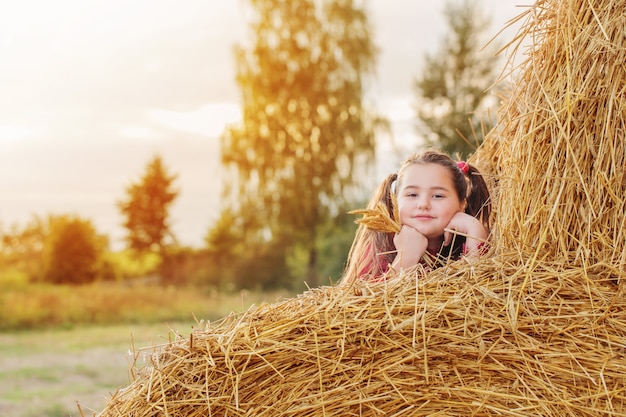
(373, 251)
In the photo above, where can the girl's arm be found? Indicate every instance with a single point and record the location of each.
(470, 227)
(410, 246)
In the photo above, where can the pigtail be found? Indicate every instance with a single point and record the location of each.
(471, 185)
(372, 251)
(478, 198)
(385, 194)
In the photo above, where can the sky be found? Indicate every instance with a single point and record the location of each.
(91, 90)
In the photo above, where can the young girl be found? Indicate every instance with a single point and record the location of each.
(444, 211)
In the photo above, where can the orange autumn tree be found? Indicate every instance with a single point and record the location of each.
(146, 209)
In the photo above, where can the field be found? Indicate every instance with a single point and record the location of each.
(46, 373)
(60, 347)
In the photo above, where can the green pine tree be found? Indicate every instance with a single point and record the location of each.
(452, 91)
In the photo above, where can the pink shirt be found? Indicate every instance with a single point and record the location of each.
(367, 273)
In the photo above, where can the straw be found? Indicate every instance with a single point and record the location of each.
(560, 145)
(536, 328)
(379, 219)
(462, 341)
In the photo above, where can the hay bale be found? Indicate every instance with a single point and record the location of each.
(466, 340)
(560, 147)
(536, 329)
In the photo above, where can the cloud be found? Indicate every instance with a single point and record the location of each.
(140, 132)
(208, 120)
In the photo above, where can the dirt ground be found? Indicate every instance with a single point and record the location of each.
(51, 373)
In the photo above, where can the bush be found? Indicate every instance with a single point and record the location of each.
(44, 305)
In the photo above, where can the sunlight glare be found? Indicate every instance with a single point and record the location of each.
(139, 132)
(208, 120)
(13, 134)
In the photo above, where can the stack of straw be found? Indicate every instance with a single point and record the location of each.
(463, 341)
(536, 328)
(561, 146)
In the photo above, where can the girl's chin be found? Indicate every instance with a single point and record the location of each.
(429, 233)
(434, 239)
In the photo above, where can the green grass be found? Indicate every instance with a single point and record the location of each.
(60, 345)
(45, 373)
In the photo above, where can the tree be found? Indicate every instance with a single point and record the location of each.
(452, 89)
(305, 135)
(146, 209)
(21, 248)
(242, 262)
(73, 251)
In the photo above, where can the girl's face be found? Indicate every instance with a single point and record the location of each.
(427, 200)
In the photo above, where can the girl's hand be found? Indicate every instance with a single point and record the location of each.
(410, 245)
(468, 226)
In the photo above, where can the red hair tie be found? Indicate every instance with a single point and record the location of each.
(463, 166)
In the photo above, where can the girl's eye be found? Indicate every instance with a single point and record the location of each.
(438, 196)
(412, 195)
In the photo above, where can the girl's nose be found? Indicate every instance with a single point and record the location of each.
(423, 202)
